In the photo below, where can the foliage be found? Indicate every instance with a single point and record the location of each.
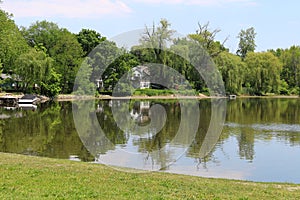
(156, 39)
(50, 85)
(83, 85)
(152, 92)
(61, 45)
(247, 42)
(1, 81)
(206, 39)
(89, 39)
(291, 66)
(232, 69)
(41, 33)
(166, 92)
(101, 60)
(53, 55)
(12, 44)
(263, 73)
(67, 54)
(33, 68)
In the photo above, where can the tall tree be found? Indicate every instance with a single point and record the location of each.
(207, 39)
(0, 73)
(89, 39)
(157, 38)
(61, 45)
(153, 46)
(101, 62)
(118, 68)
(247, 42)
(41, 33)
(291, 66)
(33, 68)
(184, 50)
(67, 54)
(232, 70)
(263, 75)
(12, 44)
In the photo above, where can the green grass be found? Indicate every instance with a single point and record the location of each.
(24, 177)
(157, 92)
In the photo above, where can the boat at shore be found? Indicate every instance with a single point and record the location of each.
(28, 99)
(28, 102)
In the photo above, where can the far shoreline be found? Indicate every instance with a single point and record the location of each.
(70, 97)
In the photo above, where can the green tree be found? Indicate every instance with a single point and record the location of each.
(83, 85)
(263, 72)
(153, 48)
(33, 68)
(61, 45)
(1, 73)
(156, 39)
(207, 39)
(102, 58)
(41, 33)
(67, 54)
(247, 42)
(51, 84)
(12, 44)
(184, 49)
(89, 39)
(232, 70)
(291, 66)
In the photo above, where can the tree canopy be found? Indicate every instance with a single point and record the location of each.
(247, 42)
(45, 58)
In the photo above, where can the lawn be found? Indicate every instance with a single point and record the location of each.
(26, 177)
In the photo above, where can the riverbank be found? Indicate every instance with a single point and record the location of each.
(70, 97)
(27, 177)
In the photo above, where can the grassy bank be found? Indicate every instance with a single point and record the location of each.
(24, 177)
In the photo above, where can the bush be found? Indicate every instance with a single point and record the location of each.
(156, 92)
(295, 91)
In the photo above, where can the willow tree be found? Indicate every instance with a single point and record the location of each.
(33, 68)
(232, 69)
(263, 72)
(291, 66)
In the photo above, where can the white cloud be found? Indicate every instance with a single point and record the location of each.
(198, 2)
(65, 8)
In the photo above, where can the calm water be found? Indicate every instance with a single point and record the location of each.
(260, 139)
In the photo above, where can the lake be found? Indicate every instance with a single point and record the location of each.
(259, 138)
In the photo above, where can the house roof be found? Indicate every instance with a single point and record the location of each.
(142, 69)
(28, 96)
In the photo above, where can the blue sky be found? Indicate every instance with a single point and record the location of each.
(277, 23)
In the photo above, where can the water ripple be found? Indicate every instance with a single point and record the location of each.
(267, 127)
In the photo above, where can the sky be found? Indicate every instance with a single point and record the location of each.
(277, 23)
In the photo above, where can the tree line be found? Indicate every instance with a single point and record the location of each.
(45, 58)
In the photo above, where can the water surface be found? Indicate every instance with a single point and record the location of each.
(260, 140)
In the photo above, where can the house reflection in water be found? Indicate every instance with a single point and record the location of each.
(141, 113)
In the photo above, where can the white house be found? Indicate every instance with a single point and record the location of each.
(141, 76)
